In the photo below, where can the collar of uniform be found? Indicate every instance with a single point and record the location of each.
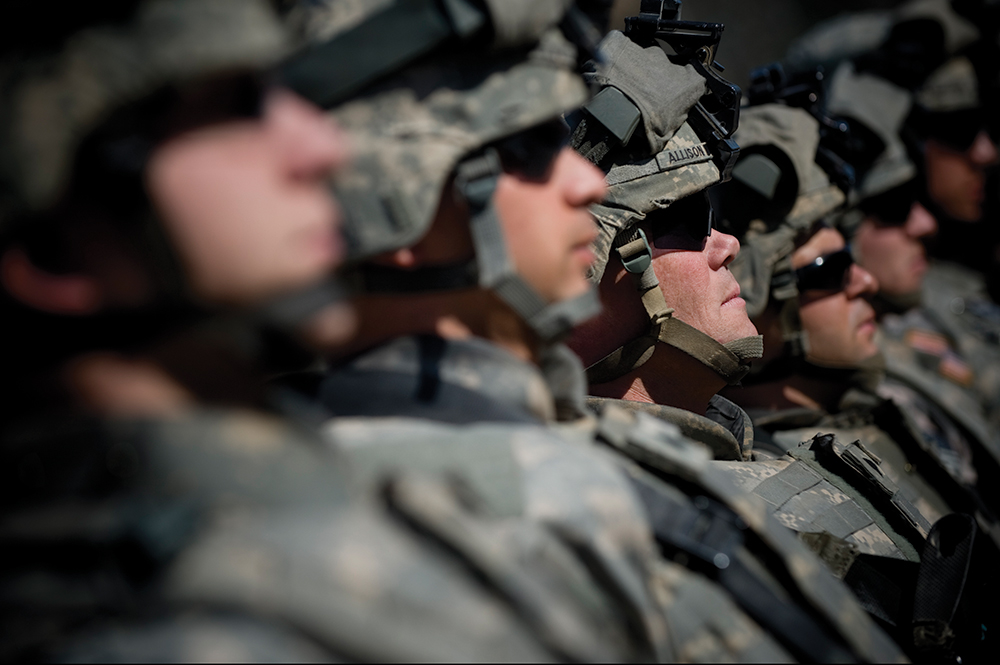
(731, 438)
(425, 376)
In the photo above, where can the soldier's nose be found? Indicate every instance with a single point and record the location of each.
(983, 151)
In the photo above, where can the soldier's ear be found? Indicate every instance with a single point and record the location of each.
(70, 294)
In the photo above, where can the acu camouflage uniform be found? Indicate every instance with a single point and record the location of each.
(426, 402)
(228, 535)
(941, 349)
(889, 470)
(235, 535)
(942, 429)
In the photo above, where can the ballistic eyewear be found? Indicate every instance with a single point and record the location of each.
(830, 272)
(892, 208)
(955, 129)
(685, 225)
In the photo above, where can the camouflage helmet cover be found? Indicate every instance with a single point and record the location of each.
(959, 32)
(951, 87)
(684, 167)
(796, 133)
(883, 108)
(410, 132)
(51, 102)
(680, 164)
(850, 35)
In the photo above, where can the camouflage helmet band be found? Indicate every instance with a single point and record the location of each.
(730, 361)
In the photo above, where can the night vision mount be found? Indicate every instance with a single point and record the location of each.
(716, 115)
(847, 148)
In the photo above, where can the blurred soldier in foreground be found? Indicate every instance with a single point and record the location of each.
(166, 219)
(474, 261)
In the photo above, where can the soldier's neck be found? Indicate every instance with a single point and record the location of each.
(670, 377)
(793, 392)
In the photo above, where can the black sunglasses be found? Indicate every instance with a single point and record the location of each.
(892, 208)
(532, 152)
(955, 129)
(830, 272)
(685, 225)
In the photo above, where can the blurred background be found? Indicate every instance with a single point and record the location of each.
(756, 32)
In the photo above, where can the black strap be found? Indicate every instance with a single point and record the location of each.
(883, 587)
(944, 570)
(372, 278)
(710, 537)
(406, 30)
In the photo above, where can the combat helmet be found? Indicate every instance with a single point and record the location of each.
(85, 102)
(778, 160)
(652, 162)
(53, 97)
(432, 88)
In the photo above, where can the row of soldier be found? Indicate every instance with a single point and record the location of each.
(298, 306)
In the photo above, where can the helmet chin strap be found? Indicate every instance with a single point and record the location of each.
(476, 181)
(730, 361)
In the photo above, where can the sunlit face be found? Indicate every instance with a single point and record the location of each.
(547, 226)
(246, 202)
(956, 180)
(702, 290)
(895, 254)
(840, 323)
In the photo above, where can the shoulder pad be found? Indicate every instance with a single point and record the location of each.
(377, 448)
(650, 441)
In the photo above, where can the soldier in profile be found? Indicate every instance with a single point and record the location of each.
(167, 229)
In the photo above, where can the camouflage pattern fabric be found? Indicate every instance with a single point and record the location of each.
(765, 252)
(882, 107)
(515, 22)
(850, 35)
(52, 102)
(654, 452)
(806, 502)
(411, 131)
(682, 168)
(569, 484)
(800, 498)
(663, 92)
(922, 359)
(952, 87)
(840, 38)
(958, 30)
(229, 535)
(956, 299)
(859, 424)
(724, 442)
